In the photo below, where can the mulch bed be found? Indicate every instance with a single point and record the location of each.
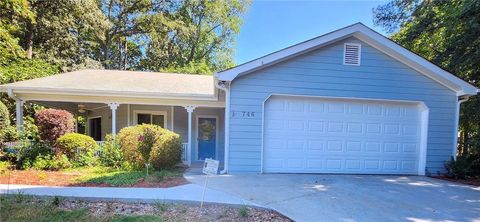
(175, 212)
(59, 178)
(468, 181)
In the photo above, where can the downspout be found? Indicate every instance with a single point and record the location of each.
(457, 120)
(225, 86)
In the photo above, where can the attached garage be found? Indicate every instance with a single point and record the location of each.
(337, 135)
(348, 102)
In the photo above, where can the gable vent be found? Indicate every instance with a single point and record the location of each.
(351, 54)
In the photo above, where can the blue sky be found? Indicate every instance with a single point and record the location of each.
(272, 25)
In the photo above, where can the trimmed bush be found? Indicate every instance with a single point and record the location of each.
(53, 123)
(77, 147)
(165, 151)
(111, 153)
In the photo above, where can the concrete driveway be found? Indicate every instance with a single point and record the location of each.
(307, 197)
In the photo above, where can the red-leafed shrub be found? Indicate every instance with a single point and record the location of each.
(53, 123)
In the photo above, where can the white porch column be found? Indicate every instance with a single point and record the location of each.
(189, 149)
(113, 107)
(19, 114)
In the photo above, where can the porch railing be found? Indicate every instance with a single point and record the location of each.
(100, 146)
(12, 145)
(184, 152)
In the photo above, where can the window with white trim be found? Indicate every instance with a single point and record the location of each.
(155, 118)
(352, 54)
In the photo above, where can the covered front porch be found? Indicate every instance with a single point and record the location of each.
(189, 105)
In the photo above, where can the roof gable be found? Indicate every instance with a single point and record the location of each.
(366, 35)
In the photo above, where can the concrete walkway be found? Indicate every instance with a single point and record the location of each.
(310, 197)
(183, 193)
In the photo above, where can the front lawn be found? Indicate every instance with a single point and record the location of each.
(26, 208)
(95, 176)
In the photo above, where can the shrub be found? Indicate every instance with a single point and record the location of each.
(51, 162)
(128, 141)
(77, 147)
(111, 153)
(463, 166)
(165, 152)
(4, 116)
(53, 123)
(28, 151)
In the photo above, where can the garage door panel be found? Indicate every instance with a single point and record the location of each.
(315, 135)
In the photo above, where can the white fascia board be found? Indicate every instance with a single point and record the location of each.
(367, 35)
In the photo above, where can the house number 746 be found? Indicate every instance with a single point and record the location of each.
(243, 114)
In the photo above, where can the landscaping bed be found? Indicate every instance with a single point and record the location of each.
(469, 181)
(25, 208)
(95, 177)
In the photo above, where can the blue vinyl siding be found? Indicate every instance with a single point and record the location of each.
(322, 73)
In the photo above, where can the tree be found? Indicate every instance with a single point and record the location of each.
(14, 65)
(197, 33)
(129, 19)
(446, 33)
(12, 14)
(65, 33)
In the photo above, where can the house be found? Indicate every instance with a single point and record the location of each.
(350, 101)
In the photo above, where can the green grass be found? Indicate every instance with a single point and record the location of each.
(118, 177)
(13, 210)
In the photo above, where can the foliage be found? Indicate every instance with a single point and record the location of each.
(4, 116)
(463, 166)
(446, 33)
(111, 153)
(19, 70)
(12, 14)
(29, 151)
(51, 162)
(4, 167)
(42, 209)
(196, 32)
(121, 177)
(243, 212)
(165, 152)
(77, 147)
(145, 143)
(65, 33)
(53, 123)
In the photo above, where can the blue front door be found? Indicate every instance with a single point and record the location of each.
(207, 137)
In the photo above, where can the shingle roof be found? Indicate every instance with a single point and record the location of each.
(122, 82)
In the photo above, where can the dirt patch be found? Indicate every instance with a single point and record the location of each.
(61, 178)
(468, 181)
(176, 212)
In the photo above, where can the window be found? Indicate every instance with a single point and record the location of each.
(155, 118)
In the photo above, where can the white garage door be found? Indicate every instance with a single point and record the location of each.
(314, 135)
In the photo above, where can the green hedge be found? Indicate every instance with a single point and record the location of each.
(166, 149)
(85, 146)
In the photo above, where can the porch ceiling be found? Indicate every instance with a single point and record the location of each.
(99, 86)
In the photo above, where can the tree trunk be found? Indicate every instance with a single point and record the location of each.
(125, 50)
(106, 51)
(29, 40)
